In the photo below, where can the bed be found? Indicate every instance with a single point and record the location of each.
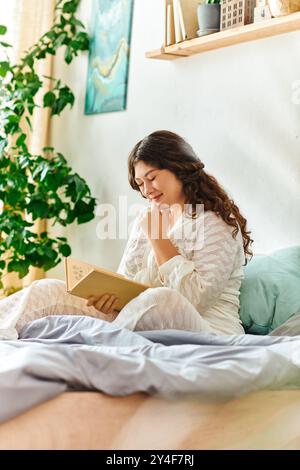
(181, 390)
(86, 384)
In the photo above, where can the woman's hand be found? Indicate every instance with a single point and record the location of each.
(106, 303)
(155, 222)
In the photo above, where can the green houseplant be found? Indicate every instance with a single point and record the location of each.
(37, 186)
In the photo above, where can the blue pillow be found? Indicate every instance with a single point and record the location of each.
(270, 292)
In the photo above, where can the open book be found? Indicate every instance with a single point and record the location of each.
(84, 280)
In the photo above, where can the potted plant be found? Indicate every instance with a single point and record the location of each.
(37, 186)
(209, 17)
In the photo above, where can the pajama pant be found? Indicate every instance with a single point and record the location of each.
(155, 308)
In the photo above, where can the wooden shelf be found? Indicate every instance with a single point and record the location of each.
(228, 37)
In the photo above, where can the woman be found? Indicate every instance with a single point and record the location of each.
(195, 274)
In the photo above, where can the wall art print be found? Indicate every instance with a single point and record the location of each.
(109, 56)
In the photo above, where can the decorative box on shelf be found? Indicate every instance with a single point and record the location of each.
(236, 13)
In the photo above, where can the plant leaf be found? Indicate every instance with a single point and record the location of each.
(69, 7)
(5, 44)
(3, 29)
(4, 68)
(21, 140)
(68, 55)
(65, 250)
(28, 122)
(49, 99)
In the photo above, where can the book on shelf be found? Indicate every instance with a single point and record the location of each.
(188, 11)
(177, 26)
(169, 24)
(181, 20)
(84, 280)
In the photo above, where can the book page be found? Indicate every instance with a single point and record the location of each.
(74, 271)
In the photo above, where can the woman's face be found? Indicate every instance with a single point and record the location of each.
(159, 186)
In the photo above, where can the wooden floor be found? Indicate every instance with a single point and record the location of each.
(88, 420)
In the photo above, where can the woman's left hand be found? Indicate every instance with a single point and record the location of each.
(106, 303)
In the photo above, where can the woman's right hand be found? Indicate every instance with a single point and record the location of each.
(106, 303)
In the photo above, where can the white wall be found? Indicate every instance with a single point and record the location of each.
(8, 19)
(234, 106)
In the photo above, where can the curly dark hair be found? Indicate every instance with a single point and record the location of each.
(167, 150)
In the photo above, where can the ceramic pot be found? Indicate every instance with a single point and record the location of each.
(208, 18)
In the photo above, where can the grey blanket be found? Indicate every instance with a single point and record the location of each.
(60, 353)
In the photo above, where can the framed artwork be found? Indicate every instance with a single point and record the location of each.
(109, 56)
